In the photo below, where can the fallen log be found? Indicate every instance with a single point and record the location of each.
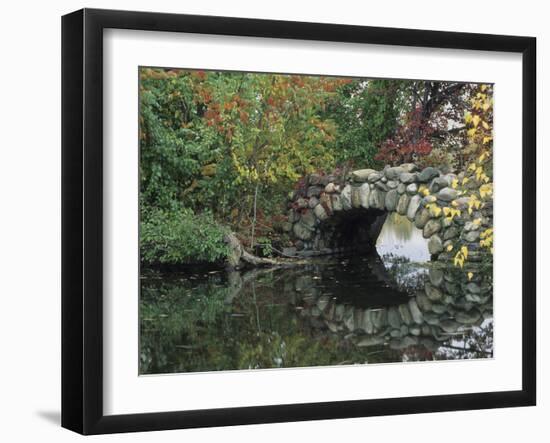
(238, 257)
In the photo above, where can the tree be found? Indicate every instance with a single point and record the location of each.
(365, 112)
(430, 116)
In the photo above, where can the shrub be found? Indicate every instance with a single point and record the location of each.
(180, 237)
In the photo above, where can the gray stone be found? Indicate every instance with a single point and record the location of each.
(416, 314)
(336, 202)
(437, 184)
(421, 218)
(401, 188)
(430, 228)
(339, 312)
(447, 194)
(349, 320)
(313, 201)
(439, 308)
(431, 318)
(394, 319)
(308, 219)
(331, 188)
(433, 293)
(374, 177)
(302, 231)
(361, 175)
(364, 191)
(301, 203)
(391, 200)
(381, 185)
(452, 288)
(409, 167)
(450, 233)
(473, 288)
(293, 216)
(413, 207)
(314, 191)
(345, 197)
(403, 204)
(436, 276)
(412, 189)
(407, 177)
(423, 302)
(290, 251)
(370, 341)
(427, 174)
(415, 330)
(471, 236)
(355, 197)
(405, 314)
(435, 245)
(367, 325)
(392, 184)
(395, 333)
(377, 199)
(314, 179)
(449, 326)
(394, 173)
(320, 212)
(286, 226)
(469, 317)
(323, 302)
(380, 318)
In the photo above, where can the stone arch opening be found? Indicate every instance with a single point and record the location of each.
(333, 215)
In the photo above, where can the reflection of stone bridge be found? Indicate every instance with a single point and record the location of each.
(331, 214)
(448, 305)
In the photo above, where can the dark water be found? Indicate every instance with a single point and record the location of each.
(392, 307)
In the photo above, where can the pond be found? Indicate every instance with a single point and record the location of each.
(390, 306)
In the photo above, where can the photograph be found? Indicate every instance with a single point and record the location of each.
(293, 220)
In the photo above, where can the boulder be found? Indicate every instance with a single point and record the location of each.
(403, 204)
(428, 174)
(374, 177)
(377, 199)
(412, 189)
(320, 212)
(407, 177)
(421, 218)
(413, 207)
(391, 200)
(433, 293)
(430, 228)
(361, 175)
(364, 191)
(435, 245)
(447, 194)
(345, 197)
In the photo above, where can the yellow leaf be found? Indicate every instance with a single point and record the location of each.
(470, 275)
(485, 125)
(449, 248)
(464, 251)
(476, 120)
(454, 184)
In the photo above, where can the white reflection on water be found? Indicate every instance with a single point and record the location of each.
(401, 238)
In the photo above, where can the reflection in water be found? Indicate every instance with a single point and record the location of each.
(334, 311)
(401, 238)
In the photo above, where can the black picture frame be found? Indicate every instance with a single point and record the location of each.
(82, 218)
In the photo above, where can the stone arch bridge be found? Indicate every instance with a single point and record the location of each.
(331, 214)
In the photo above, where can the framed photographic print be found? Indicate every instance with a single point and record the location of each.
(269, 221)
